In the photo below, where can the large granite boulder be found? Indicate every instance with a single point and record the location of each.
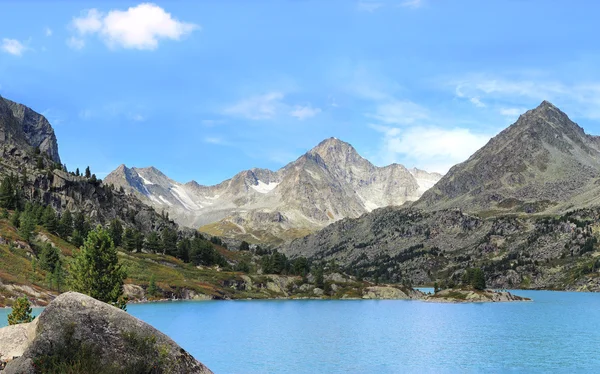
(77, 331)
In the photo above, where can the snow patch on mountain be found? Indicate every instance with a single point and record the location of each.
(185, 199)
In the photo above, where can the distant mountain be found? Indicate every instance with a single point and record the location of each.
(479, 215)
(543, 162)
(328, 183)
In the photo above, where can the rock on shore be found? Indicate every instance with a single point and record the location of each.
(473, 296)
(96, 337)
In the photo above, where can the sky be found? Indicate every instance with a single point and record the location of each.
(204, 89)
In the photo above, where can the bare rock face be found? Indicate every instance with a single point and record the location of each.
(15, 339)
(104, 339)
(37, 130)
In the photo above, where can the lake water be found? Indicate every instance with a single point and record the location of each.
(558, 331)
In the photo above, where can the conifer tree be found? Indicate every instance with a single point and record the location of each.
(7, 193)
(65, 225)
(152, 286)
(49, 220)
(88, 173)
(169, 241)
(96, 271)
(153, 244)
(77, 172)
(116, 232)
(26, 225)
(129, 240)
(21, 312)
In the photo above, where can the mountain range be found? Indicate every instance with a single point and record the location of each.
(524, 208)
(328, 183)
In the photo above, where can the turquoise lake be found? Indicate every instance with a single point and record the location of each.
(558, 331)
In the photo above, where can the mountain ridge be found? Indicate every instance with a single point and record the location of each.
(329, 182)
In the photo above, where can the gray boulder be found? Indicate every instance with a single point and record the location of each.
(92, 336)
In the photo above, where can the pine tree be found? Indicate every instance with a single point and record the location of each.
(169, 241)
(95, 270)
(77, 238)
(153, 244)
(77, 172)
(139, 241)
(129, 240)
(88, 173)
(152, 286)
(183, 249)
(26, 225)
(15, 219)
(49, 257)
(49, 220)
(7, 193)
(116, 232)
(21, 312)
(65, 225)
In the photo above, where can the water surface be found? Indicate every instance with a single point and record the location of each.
(558, 331)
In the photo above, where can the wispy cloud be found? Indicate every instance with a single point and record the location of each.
(429, 147)
(581, 99)
(412, 3)
(268, 106)
(369, 6)
(75, 43)
(217, 140)
(48, 31)
(399, 112)
(477, 102)
(512, 112)
(303, 112)
(12, 46)
(140, 27)
(257, 107)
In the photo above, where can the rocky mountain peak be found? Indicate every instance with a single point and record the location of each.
(36, 129)
(544, 158)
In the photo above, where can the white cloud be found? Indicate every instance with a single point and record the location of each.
(303, 112)
(580, 99)
(136, 117)
(399, 112)
(215, 140)
(429, 147)
(412, 3)
(512, 112)
(12, 46)
(475, 101)
(75, 43)
(368, 6)
(258, 107)
(48, 31)
(139, 27)
(89, 23)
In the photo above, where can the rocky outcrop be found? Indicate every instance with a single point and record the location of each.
(36, 128)
(328, 183)
(78, 329)
(15, 339)
(473, 296)
(391, 292)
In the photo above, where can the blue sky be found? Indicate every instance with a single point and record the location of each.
(205, 89)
